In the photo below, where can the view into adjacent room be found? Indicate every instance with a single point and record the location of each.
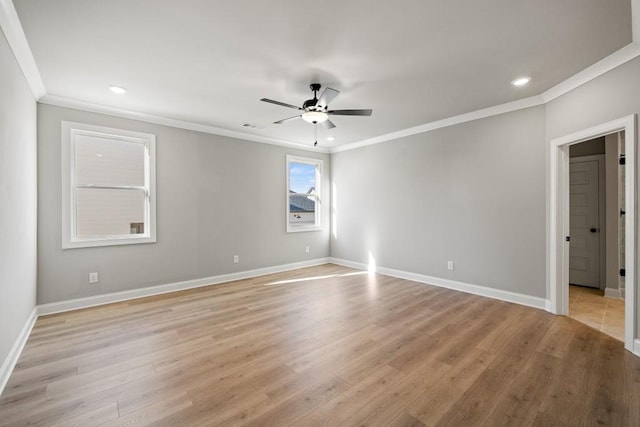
(596, 261)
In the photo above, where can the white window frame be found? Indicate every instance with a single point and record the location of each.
(318, 163)
(69, 238)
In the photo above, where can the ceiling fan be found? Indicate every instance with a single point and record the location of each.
(316, 110)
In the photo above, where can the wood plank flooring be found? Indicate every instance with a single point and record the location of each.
(321, 346)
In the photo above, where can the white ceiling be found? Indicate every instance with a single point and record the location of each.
(411, 61)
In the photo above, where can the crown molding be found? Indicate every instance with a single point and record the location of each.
(622, 56)
(617, 58)
(450, 121)
(12, 29)
(165, 121)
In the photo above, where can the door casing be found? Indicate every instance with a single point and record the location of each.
(558, 250)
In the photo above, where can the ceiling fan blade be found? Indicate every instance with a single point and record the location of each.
(286, 120)
(328, 124)
(283, 104)
(327, 96)
(350, 112)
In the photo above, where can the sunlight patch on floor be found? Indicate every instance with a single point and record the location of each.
(307, 279)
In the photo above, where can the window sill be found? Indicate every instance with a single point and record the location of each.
(108, 241)
(301, 229)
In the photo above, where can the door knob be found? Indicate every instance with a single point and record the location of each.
(593, 230)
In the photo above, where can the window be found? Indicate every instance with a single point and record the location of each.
(304, 194)
(108, 186)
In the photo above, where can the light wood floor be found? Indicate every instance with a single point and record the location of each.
(320, 346)
(591, 307)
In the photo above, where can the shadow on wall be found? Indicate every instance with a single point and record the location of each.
(334, 210)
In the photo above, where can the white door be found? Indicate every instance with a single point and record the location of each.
(584, 249)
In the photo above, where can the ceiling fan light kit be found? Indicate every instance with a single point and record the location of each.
(315, 117)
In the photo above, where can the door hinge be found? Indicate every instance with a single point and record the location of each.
(621, 161)
(568, 238)
(622, 272)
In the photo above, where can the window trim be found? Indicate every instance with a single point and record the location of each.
(69, 239)
(319, 164)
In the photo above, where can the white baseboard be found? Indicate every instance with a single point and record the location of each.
(612, 293)
(12, 358)
(484, 291)
(78, 303)
(350, 264)
(636, 347)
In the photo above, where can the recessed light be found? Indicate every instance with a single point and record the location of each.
(521, 81)
(117, 89)
(330, 138)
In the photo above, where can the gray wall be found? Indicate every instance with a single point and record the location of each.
(216, 197)
(18, 200)
(472, 193)
(614, 95)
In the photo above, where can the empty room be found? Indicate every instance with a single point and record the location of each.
(338, 213)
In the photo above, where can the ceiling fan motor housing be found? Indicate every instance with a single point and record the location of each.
(311, 104)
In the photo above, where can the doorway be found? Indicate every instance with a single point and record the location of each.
(559, 216)
(594, 222)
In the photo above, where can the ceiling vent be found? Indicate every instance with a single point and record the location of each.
(251, 125)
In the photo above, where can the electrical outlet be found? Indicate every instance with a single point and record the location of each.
(93, 277)
(236, 259)
(450, 265)
(306, 249)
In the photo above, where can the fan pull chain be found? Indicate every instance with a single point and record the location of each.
(315, 135)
